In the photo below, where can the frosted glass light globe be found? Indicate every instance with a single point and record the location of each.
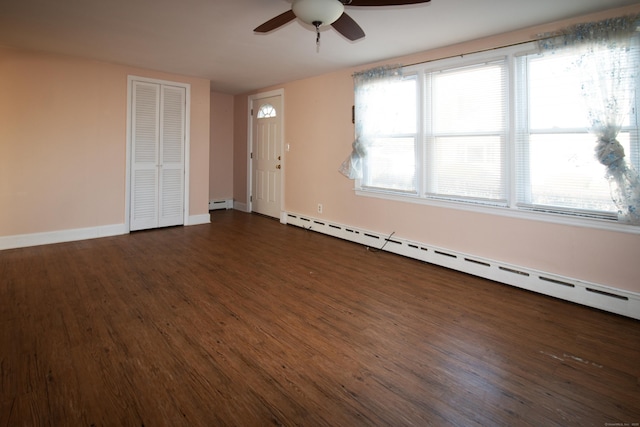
(326, 12)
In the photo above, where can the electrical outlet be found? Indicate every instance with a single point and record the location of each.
(319, 207)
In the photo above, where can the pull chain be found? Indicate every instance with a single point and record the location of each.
(317, 25)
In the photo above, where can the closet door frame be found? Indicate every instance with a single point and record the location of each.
(130, 87)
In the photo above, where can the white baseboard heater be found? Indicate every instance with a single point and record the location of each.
(589, 294)
(220, 204)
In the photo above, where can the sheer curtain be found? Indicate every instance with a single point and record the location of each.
(608, 63)
(368, 112)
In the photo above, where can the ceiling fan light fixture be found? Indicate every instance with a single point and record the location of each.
(318, 12)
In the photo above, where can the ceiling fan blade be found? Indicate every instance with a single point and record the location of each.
(276, 22)
(382, 2)
(349, 28)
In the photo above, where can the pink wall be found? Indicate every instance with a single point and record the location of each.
(221, 147)
(199, 140)
(319, 130)
(63, 142)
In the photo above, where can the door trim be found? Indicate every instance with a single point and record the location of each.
(187, 151)
(269, 94)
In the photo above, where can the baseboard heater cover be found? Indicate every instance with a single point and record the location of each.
(220, 204)
(594, 295)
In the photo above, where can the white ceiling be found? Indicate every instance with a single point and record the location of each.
(214, 39)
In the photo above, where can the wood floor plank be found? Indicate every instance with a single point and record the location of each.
(246, 322)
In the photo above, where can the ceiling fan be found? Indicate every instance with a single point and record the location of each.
(328, 12)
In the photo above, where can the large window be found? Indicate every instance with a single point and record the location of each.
(559, 169)
(508, 129)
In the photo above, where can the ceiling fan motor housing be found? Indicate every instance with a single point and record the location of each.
(324, 12)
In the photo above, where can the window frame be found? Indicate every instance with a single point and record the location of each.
(404, 135)
(511, 208)
(430, 135)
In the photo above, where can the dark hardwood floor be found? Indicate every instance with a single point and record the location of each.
(248, 322)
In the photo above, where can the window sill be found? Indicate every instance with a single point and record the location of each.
(555, 218)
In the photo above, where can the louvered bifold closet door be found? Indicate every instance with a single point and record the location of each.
(144, 156)
(157, 165)
(172, 136)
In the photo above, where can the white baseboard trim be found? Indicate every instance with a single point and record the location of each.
(240, 206)
(61, 236)
(220, 204)
(72, 235)
(578, 291)
(198, 219)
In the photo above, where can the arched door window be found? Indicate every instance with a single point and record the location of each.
(266, 111)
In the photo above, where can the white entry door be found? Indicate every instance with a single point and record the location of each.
(266, 155)
(157, 155)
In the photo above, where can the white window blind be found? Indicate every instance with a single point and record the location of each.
(466, 129)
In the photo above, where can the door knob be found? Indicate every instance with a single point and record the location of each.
(278, 167)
